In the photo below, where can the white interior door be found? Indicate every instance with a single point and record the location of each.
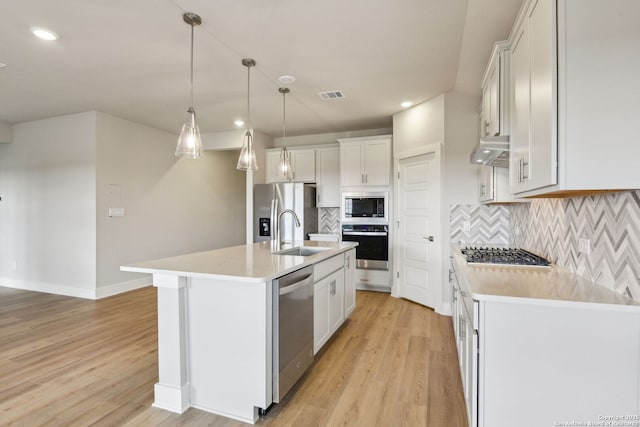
(419, 228)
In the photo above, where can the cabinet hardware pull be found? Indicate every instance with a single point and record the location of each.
(429, 238)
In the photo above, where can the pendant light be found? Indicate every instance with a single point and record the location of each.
(247, 160)
(284, 167)
(189, 141)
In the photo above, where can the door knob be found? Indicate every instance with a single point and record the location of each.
(429, 238)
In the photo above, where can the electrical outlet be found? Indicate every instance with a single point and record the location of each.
(14, 265)
(584, 246)
(466, 225)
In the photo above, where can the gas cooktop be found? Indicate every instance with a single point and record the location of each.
(503, 256)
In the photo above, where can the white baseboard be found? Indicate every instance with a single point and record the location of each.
(118, 288)
(48, 288)
(70, 291)
(445, 309)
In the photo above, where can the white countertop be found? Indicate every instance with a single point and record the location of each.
(544, 284)
(247, 263)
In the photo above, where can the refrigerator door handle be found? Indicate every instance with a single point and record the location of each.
(274, 207)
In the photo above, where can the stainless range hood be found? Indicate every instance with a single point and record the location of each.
(491, 151)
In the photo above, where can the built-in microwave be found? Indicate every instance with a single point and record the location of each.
(370, 207)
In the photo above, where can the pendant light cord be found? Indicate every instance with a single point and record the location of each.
(248, 97)
(284, 127)
(191, 75)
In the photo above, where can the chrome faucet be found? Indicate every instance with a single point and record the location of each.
(276, 241)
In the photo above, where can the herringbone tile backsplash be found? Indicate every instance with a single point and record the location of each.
(488, 224)
(329, 220)
(554, 227)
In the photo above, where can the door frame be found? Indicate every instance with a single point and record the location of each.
(438, 233)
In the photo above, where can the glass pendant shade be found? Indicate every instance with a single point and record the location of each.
(247, 160)
(284, 167)
(189, 142)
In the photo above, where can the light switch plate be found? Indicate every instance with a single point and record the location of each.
(466, 225)
(116, 212)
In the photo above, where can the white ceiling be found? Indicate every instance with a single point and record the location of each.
(130, 58)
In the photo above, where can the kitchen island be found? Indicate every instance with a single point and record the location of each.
(215, 333)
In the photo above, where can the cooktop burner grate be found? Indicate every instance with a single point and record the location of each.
(505, 256)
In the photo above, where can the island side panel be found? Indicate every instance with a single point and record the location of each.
(172, 390)
(229, 330)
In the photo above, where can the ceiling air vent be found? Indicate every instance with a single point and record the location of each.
(334, 94)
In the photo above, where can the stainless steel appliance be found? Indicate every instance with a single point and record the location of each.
(372, 251)
(365, 208)
(503, 256)
(292, 329)
(269, 200)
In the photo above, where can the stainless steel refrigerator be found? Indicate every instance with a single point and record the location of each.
(299, 197)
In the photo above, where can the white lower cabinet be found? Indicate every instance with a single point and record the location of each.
(349, 282)
(328, 307)
(333, 296)
(531, 363)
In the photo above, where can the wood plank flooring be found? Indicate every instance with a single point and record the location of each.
(73, 362)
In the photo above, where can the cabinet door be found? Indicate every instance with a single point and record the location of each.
(336, 300)
(303, 163)
(272, 170)
(328, 177)
(349, 282)
(377, 163)
(351, 164)
(519, 140)
(491, 100)
(543, 141)
(486, 185)
(321, 326)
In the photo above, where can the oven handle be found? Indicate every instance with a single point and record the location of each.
(364, 233)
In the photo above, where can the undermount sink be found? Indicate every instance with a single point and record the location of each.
(303, 251)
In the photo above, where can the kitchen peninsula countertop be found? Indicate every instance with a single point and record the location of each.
(246, 263)
(545, 285)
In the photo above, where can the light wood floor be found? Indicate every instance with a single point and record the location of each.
(66, 361)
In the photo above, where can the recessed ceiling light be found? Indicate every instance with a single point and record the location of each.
(286, 80)
(2, 65)
(44, 34)
(479, 161)
(239, 123)
(486, 151)
(406, 104)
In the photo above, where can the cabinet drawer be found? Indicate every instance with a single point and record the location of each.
(324, 268)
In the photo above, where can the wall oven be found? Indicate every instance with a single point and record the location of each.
(365, 208)
(372, 252)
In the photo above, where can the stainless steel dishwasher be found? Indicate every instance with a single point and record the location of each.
(292, 329)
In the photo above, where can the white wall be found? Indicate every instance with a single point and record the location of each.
(451, 120)
(47, 211)
(60, 175)
(6, 134)
(172, 206)
(419, 126)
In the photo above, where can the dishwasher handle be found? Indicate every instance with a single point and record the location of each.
(305, 281)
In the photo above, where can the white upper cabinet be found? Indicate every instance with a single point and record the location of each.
(574, 77)
(328, 177)
(303, 164)
(493, 185)
(365, 161)
(495, 93)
